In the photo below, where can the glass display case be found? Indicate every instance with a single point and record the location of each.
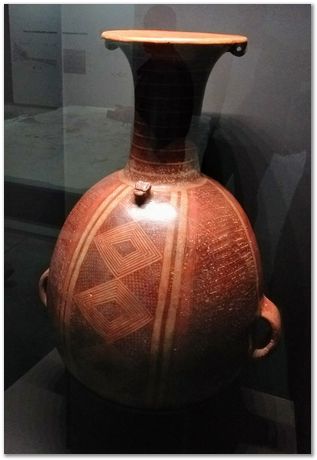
(69, 112)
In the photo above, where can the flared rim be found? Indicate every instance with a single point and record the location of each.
(172, 37)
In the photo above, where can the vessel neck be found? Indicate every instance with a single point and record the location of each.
(169, 85)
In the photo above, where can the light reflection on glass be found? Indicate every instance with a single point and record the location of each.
(158, 212)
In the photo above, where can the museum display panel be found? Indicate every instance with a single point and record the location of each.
(245, 140)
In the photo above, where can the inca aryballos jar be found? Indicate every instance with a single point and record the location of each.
(155, 281)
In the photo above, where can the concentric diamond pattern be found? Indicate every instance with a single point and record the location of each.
(130, 315)
(142, 251)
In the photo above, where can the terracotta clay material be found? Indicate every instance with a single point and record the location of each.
(155, 282)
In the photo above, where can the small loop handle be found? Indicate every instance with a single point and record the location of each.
(43, 287)
(239, 49)
(271, 314)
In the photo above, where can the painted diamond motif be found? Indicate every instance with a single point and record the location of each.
(109, 310)
(125, 248)
(129, 317)
(115, 247)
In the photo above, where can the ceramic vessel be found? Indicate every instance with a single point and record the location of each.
(155, 281)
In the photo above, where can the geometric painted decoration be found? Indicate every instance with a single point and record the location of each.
(112, 310)
(126, 248)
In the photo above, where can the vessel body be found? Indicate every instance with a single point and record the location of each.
(153, 303)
